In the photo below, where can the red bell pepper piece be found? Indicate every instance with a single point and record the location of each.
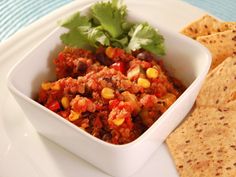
(54, 106)
(119, 66)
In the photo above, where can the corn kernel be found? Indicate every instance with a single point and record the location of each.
(107, 93)
(118, 121)
(152, 73)
(46, 85)
(73, 116)
(65, 102)
(110, 52)
(55, 86)
(143, 82)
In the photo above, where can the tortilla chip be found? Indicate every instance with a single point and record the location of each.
(230, 25)
(205, 144)
(206, 25)
(221, 45)
(220, 85)
(229, 106)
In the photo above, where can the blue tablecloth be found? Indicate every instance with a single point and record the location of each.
(14, 14)
(223, 9)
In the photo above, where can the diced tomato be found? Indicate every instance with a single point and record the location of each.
(118, 52)
(42, 96)
(113, 103)
(54, 106)
(61, 56)
(119, 66)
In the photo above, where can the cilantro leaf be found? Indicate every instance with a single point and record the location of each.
(75, 21)
(82, 33)
(96, 37)
(121, 43)
(82, 38)
(74, 38)
(156, 48)
(76, 24)
(110, 16)
(145, 36)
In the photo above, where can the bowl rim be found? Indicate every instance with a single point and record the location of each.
(152, 128)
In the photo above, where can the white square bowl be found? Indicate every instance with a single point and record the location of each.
(185, 59)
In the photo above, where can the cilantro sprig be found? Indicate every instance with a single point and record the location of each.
(145, 36)
(107, 25)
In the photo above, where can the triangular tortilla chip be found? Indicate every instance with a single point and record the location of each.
(221, 45)
(230, 25)
(220, 85)
(206, 25)
(205, 144)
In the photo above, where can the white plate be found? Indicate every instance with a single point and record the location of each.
(25, 153)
